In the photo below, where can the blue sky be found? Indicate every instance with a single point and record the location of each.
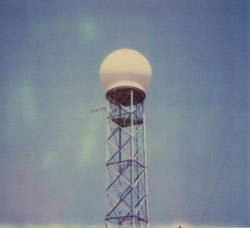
(52, 148)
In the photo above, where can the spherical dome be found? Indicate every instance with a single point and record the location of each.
(125, 68)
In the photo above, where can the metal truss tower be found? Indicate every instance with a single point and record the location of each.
(125, 75)
(126, 196)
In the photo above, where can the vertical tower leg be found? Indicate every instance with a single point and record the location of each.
(126, 195)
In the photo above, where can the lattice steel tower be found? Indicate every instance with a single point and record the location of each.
(125, 75)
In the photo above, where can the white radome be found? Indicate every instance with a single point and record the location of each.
(125, 68)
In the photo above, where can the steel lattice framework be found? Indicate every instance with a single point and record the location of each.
(126, 196)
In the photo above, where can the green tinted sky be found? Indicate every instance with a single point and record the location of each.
(52, 149)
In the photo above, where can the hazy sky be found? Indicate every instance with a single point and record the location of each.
(52, 148)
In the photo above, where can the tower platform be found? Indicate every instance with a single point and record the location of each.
(122, 96)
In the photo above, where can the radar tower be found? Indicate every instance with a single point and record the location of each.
(125, 75)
